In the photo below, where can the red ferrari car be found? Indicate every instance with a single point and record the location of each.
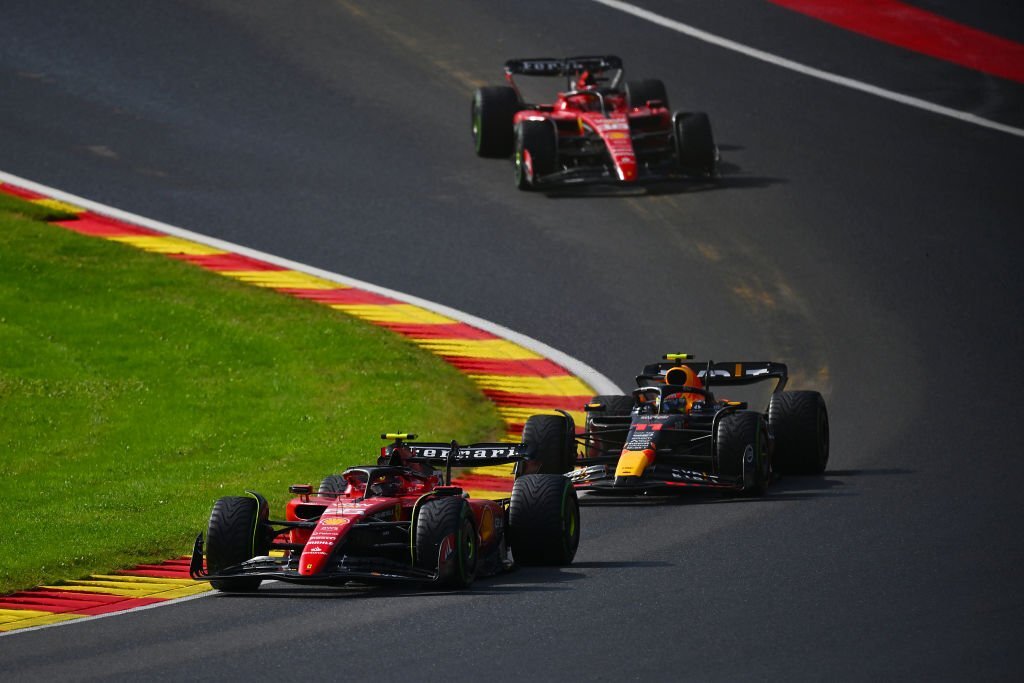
(600, 129)
(396, 520)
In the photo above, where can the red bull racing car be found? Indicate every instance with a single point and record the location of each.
(600, 129)
(397, 520)
(673, 432)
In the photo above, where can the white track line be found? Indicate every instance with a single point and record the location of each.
(711, 38)
(597, 381)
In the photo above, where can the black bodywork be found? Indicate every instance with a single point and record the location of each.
(686, 450)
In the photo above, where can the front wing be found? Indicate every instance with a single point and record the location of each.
(277, 569)
(601, 478)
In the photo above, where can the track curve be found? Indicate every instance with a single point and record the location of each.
(872, 247)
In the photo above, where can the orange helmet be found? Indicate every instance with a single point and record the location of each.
(683, 375)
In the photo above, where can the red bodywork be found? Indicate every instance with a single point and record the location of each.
(366, 524)
(586, 134)
(337, 516)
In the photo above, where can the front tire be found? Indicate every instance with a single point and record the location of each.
(332, 485)
(614, 406)
(493, 109)
(799, 422)
(446, 520)
(544, 520)
(695, 145)
(741, 444)
(536, 152)
(236, 533)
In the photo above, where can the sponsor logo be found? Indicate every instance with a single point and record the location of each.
(617, 136)
(542, 67)
(475, 453)
(334, 521)
(639, 440)
(748, 454)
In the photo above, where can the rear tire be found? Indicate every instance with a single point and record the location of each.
(639, 93)
(741, 436)
(799, 422)
(236, 533)
(438, 519)
(536, 152)
(544, 520)
(695, 144)
(553, 439)
(493, 109)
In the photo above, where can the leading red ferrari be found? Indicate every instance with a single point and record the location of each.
(600, 129)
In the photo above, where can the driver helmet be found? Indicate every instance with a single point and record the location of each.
(386, 486)
(684, 375)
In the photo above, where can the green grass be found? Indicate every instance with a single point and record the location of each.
(135, 390)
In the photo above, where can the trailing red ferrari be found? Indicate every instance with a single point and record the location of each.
(599, 130)
(395, 521)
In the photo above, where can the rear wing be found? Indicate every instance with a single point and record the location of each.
(569, 66)
(473, 455)
(728, 373)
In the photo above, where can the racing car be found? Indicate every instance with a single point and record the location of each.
(397, 520)
(673, 432)
(601, 129)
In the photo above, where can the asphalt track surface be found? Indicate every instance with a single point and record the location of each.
(873, 247)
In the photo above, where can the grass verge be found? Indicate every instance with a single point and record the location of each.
(135, 390)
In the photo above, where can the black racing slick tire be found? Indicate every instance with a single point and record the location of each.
(615, 406)
(799, 423)
(440, 518)
(237, 532)
(639, 93)
(536, 152)
(544, 520)
(553, 440)
(741, 441)
(494, 107)
(695, 144)
(332, 485)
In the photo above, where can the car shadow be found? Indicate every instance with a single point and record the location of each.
(730, 177)
(783, 489)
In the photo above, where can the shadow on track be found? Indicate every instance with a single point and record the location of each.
(518, 580)
(784, 489)
(729, 178)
